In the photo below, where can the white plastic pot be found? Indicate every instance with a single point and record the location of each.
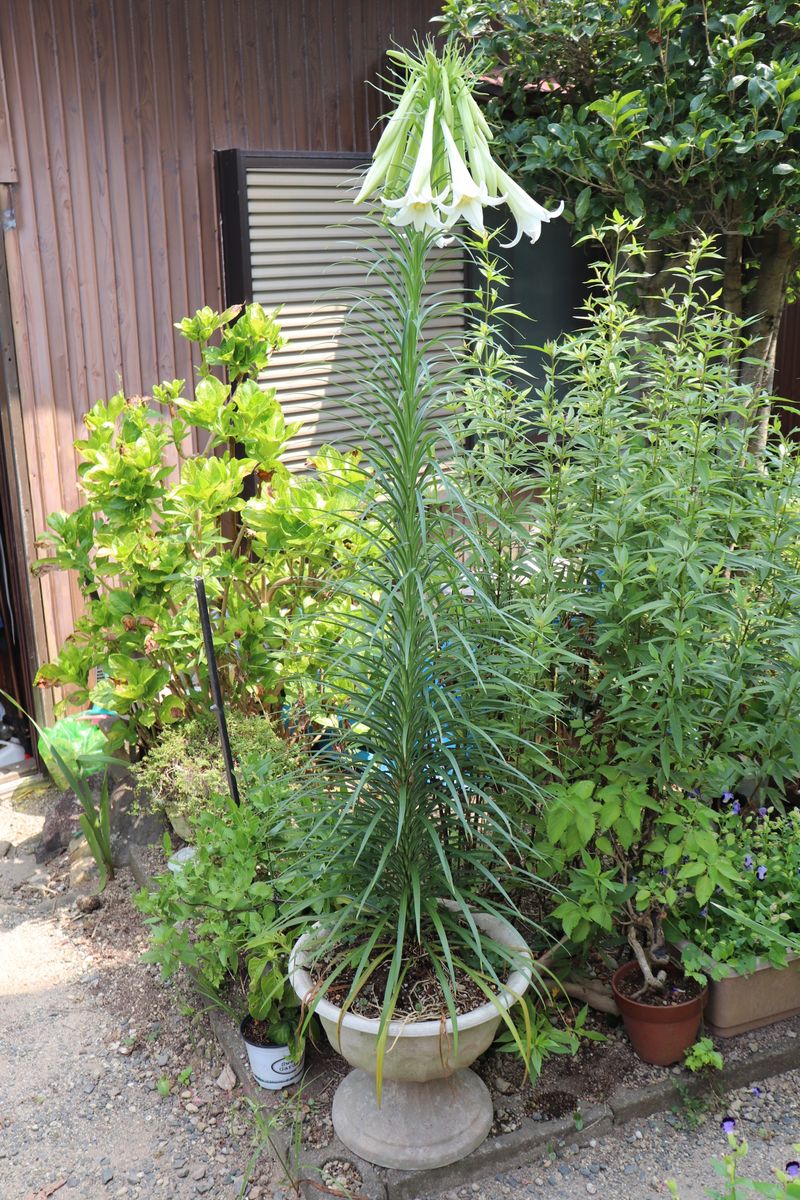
(272, 1066)
(177, 861)
(11, 752)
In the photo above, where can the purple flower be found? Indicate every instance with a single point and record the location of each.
(748, 862)
(736, 808)
(756, 1091)
(663, 871)
(762, 812)
(762, 872)
(727, 797)
(703, 912)
(793, 1169)
(727, 1124)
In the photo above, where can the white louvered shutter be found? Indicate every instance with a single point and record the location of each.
(309, 254)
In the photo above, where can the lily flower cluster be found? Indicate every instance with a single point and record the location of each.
(433, 165)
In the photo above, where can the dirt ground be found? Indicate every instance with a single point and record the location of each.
(111, 1085)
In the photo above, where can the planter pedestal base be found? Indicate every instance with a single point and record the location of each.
(418, 1125)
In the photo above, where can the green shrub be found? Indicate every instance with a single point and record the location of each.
(663, 554)
(183, 772)
(765, 849)
(666, 546)
(205, 915)
(148, 528)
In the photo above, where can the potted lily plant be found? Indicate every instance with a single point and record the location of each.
(413, 832)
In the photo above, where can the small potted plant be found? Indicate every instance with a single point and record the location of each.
(629, 863)
(271, 1030)
(215, 917)
(752, 956)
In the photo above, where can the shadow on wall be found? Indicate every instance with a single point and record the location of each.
(548, 282)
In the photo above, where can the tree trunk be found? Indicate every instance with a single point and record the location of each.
(732, 274)
(765, 306)
(648, 288)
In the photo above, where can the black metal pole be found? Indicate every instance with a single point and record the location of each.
(216, 695)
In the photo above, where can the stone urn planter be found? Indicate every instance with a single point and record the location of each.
(738, 1003)
(433, 1110)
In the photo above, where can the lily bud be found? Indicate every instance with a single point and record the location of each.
(387, 142)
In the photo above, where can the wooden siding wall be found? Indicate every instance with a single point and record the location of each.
(114, 111)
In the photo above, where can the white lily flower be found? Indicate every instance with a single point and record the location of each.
(417, 206)
(469, 197)
(529, 215)
(473, 179)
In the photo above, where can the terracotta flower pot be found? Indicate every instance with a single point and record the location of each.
(659, 1034)
(738, 1003)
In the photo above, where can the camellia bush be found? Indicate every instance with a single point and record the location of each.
(267, 543)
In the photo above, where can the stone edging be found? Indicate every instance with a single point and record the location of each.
(498, 1154)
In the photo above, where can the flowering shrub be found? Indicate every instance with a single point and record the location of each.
(765, 848)
(148, 528)
(787, 1180)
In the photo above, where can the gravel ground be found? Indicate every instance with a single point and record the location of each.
(87, 1034)
(635, 1163)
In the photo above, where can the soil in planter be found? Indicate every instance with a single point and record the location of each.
(257, 1032)
(420, 997)
(679, 989)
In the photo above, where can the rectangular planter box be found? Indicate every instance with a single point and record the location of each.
(742, 1002)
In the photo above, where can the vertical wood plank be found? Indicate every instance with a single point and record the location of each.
(8, 165)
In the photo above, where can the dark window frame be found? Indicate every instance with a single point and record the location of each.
(232, 167)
